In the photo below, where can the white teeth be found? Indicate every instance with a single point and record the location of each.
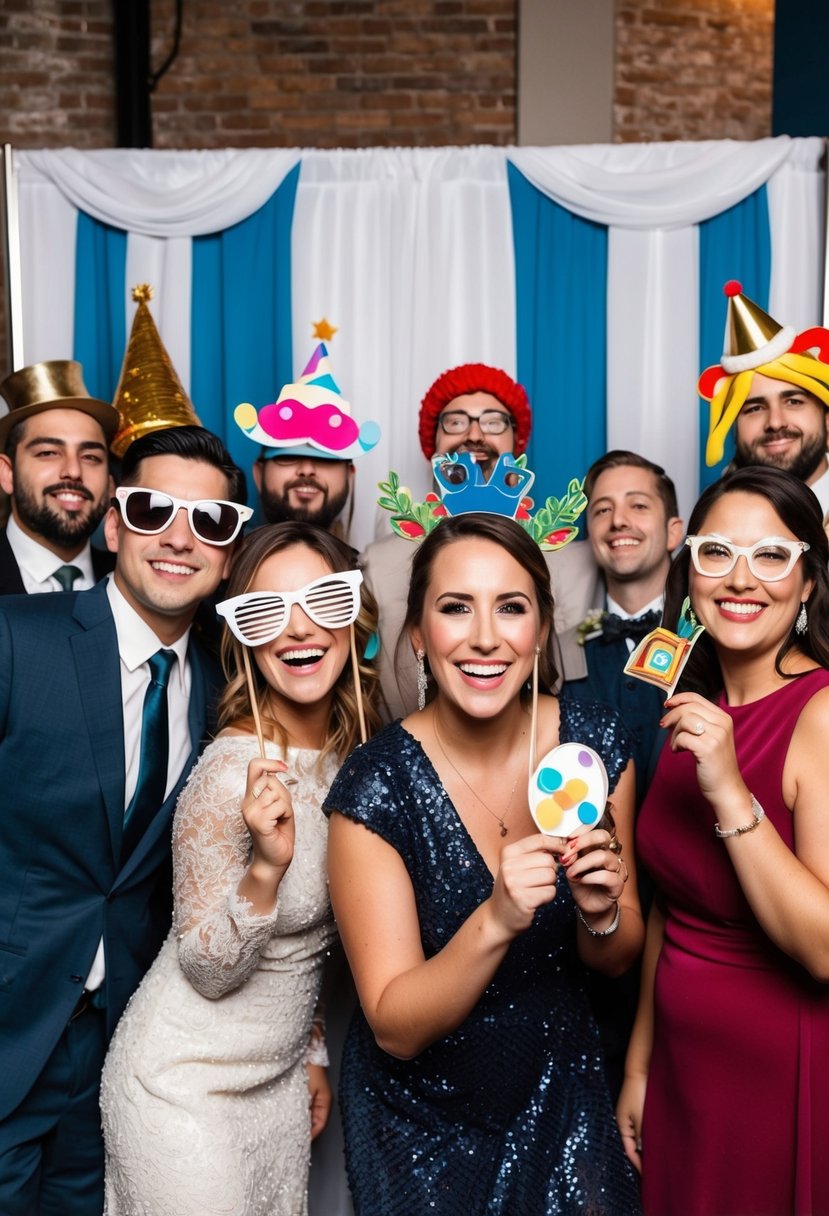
(294, 655)
(623, 542)
(172, 568)
(483, 669)
(739, 608)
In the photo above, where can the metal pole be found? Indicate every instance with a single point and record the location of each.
(11, 253)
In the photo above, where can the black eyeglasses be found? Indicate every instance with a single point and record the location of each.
(458, 422)
(149, 512)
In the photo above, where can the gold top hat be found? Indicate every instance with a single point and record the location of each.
(54, 385)
(149, 395)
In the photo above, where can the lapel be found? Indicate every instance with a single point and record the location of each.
(197, 721)
(10, 581)
(98, 668)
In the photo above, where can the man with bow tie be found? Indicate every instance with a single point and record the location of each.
(633, 527)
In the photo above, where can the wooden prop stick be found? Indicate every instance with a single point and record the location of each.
(254, 703)
(358, 688)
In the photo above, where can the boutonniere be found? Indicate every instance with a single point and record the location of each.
(591, 626)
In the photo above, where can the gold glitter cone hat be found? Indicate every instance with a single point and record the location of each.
(149, 395)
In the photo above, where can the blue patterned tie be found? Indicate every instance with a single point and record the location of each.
(66, 576)
(155, 746)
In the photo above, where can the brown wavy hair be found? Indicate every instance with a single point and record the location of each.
(511, 537)
(234, 707)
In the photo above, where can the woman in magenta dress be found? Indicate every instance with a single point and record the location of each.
(725, 1107)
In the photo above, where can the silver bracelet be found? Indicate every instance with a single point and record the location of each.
(611, 928)
(759, 815)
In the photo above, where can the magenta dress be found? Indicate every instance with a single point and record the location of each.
(736, 1119)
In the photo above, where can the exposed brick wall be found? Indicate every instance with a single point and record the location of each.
(57, 84)
(332, 73)
(693, 69)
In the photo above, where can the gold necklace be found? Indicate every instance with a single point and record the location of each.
(451, 763)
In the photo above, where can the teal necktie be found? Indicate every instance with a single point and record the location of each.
(155, 746)
(66, 576)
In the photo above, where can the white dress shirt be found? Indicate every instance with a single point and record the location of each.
(136, 645)
(38, 564)
(821, 489)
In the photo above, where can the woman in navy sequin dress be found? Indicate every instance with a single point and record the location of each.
(472, 1082)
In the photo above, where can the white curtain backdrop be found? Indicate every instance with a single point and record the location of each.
(409, 253)
(652, 197)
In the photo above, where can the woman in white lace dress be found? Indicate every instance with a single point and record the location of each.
(215, 1081)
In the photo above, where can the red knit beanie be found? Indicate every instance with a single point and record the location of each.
(474, 378)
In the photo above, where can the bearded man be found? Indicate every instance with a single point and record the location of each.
(54, 465)
(772, 385)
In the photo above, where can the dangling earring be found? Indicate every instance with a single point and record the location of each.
(802, 622)
(422, 680)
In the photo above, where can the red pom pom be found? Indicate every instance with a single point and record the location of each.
(733, 288)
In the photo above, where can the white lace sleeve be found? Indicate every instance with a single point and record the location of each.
(219, 937)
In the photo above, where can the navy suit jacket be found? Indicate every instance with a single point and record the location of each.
(11, 582)
(640, 704)
(62, 884)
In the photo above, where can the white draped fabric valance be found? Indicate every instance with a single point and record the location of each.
(164, 194)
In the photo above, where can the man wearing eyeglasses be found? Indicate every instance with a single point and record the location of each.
(54, 465)
(481, 410)
(104, 698)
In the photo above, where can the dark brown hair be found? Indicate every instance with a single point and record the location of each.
(511, 537)
(799, 510)
(620, 459)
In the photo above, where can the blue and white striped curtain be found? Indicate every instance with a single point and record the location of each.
(595, 275)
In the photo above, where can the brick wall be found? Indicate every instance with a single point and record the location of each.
(693, 69)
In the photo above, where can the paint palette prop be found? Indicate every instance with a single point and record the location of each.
(568, 790)
(661, 655)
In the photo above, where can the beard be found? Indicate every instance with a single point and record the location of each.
(278, 510)
(54, 525)
(801, 464)
(486, 456)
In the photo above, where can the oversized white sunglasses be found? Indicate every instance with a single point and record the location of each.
(769, 560)
(149, 512)
(257, 617)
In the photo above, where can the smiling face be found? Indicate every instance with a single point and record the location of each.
(630, 534)
(306, 489)
(782, 425)
(303, 663)
(58, 479)
(166, 576)
(479, 626)
(485, 448)
(741, 612)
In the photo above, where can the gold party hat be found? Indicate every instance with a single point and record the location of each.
(149, 395)
(752, 337)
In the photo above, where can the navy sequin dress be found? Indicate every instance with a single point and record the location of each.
(510, 1113)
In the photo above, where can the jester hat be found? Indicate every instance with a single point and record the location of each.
(474, 378)
(755, 342)
(309, 418)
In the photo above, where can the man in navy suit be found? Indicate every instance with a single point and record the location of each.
(54, 465)
(84, 888)
(633, 527)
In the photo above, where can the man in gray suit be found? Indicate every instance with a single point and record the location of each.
(481, 410)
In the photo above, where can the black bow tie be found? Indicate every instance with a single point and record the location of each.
(615, 627)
